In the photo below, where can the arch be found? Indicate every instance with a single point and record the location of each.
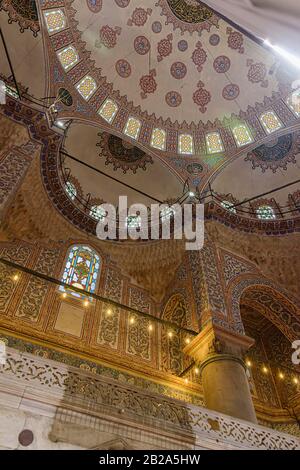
(269, 299)
(81, 268)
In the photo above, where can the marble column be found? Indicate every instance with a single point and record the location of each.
(219, 353)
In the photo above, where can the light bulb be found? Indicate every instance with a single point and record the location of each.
(64, 295)
(197, 371)
(248, 363)
(187, 340)
(170, 334)
(16, 277)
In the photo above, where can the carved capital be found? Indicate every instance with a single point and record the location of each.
(215, 340)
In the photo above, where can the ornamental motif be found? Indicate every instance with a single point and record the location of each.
(222, 64)
(148, 83)
(257, 73)
(173, 99)
(178, 70)
(231, 92)
(275, 154)
(123, 68)
(23, 12)
(214, 40)
(194, 168)
(141, 45)
(164, 47)
(108, 37)
(139, 17)
(94, 5)
(201, 97)
(156, 27)
(235, 40)
(199, 56)
(188, 15)
(122, 154)
(182, 45)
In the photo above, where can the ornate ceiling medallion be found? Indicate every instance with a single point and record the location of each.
(122, 154)
(188, 15)
(276, 154)
(23, 12)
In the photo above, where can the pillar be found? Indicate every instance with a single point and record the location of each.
(219, 353)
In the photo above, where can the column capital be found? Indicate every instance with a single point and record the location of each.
(215, 340)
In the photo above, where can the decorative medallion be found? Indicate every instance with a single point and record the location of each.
(94, 5)
(123, 68)
(235, 40)
(188, 15)
(231, 92)
(222, 64)
(178, 70)
(108, 36)
(257, 73)
(156, 27)
(148, 83)
(173, 99)
(199, 56)
(164, 47)
(194, 168)
(23, 12)
(141, 45)
(122, 154)
(201, 97)
(182, 45)
(275, 154)
(139, 17)
(214, 40)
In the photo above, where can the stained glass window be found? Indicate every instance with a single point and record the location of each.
(97, 212)
(185, 144)
(70, 190)
(55, 20)
(242, 135)
(108, 110)
(270, 121)
(228, 206)
(265, 213)
(214, 142)
(133, 221)
(158, 139)
(68, 57)
(86, 87)
(293, 102)
(82, 268)
(132, 128)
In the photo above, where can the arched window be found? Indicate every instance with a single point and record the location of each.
(70, 190)
(228, 206)
(97, 212)
(265, 213)
(82, 268)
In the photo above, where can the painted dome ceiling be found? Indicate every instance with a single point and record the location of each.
(173, 60)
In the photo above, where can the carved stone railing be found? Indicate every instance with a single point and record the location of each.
(69, 388)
